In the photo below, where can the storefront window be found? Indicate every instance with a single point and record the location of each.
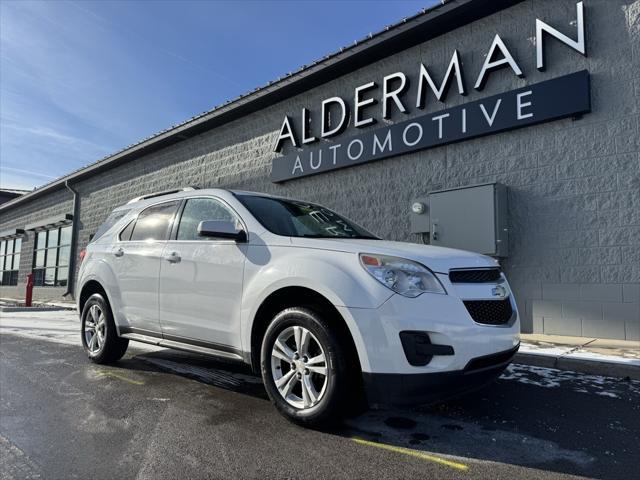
(51, 257)
(10, 260)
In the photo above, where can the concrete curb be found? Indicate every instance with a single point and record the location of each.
(592, 367)
(34, 309)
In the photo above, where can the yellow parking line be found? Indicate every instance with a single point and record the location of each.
(120, 377)
(413, 453)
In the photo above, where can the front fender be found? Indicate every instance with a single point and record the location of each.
(337, 276)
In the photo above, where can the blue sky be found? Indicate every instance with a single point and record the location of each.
(80, 80)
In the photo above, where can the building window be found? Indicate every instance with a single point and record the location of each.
(51, 257)
(10, 260)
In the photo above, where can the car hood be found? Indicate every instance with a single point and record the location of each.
(438, 259)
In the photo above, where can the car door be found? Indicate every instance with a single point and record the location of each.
(136, 261)
(201, 280)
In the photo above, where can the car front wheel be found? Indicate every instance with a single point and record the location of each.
(304, 368)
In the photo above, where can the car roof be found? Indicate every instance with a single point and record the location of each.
(187, 192)
(138, 203)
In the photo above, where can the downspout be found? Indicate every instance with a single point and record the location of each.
(71, 279)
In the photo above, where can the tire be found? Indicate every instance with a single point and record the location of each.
(328, 406)
(105, 347)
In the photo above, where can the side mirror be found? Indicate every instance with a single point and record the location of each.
(221, 229)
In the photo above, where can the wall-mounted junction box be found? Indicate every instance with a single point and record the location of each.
(470, 218)
(420, 215)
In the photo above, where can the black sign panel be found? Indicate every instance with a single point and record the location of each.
(561, 97)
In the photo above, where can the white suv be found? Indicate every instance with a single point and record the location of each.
(322, 308)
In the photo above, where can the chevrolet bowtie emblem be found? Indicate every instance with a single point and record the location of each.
(499, 291)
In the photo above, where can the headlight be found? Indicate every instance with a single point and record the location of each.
(403, 276)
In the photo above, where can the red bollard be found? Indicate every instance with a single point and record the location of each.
(29, 295)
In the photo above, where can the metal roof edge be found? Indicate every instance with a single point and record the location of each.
(410, 31)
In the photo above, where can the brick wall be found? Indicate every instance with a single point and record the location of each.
(574, 185)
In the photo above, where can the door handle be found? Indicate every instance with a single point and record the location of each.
(119, 252)
(173, 257)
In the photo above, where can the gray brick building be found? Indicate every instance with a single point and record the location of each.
(573, 182)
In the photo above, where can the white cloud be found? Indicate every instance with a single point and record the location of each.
(15, 178)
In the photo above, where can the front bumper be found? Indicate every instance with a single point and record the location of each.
(415, 389)
(444, 318)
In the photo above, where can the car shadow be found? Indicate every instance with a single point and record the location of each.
(545, 419)
(227, 374)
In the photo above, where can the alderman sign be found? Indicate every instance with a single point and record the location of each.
(315, 136)
(561, 97)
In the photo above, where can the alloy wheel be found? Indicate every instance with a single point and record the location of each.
(95, 326)
(299, 367)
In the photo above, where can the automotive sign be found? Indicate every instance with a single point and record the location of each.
(561, 97)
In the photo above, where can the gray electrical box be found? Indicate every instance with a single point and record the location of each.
(470, 218)
(420, 215)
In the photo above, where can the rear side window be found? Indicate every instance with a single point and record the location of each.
(111, 220)
(197, 210)
(154, 222)
(125, 234)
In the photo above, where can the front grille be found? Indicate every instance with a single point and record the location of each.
(483, 275)
(490, 312)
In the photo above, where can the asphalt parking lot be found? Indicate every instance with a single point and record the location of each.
(163, 414)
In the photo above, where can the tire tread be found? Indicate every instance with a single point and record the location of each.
(334, 408)
(115, 346)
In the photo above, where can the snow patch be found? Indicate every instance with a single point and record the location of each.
(578, 382)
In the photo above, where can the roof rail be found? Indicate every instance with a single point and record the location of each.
(159, 194)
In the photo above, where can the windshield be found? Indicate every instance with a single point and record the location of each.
(291, 218)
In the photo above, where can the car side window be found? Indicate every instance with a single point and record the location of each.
(125, 234)
(197, 210)
(154, 223)
(111, 220)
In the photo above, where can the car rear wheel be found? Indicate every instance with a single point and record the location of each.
(99, 336)
(304, 368)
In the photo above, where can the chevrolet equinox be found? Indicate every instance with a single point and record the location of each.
(323, 309)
